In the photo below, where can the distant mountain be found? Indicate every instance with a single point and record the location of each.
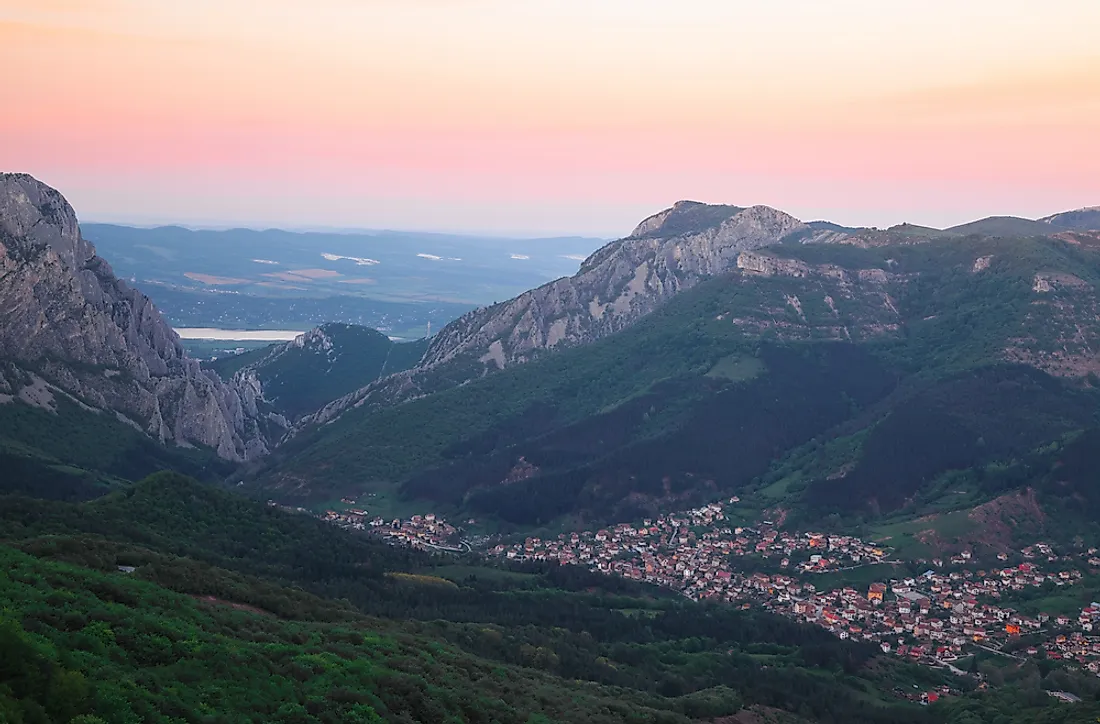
(385, 266)
(1079, 220)
(301, 376)
(73, 335)
(1002, 226)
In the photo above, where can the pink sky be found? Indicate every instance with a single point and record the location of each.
(552, 116)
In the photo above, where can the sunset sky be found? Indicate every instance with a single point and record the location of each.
(551, 116)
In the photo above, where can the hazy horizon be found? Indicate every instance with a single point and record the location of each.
(214, 225)
(552, 117)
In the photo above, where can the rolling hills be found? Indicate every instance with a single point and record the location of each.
(173, 601)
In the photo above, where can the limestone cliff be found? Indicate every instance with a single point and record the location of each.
(620, 283)
(67, 319)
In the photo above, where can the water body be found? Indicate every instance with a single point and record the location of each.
(237, 335)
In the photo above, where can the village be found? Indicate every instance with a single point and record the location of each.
(935, 618)
(423, 532)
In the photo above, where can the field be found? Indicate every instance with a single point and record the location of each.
(922, 538)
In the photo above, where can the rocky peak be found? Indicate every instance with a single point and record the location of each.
(620, 283)
(67, 318)
(35, 217)
(684, 217)
(316, 339)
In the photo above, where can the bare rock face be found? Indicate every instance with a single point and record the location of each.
(66, 317)
(619, 284)
(622, 282)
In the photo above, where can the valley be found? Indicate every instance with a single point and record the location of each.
(957, 607)
(543, 362)
(735, 466)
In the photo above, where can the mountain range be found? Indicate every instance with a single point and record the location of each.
(937, 390)
(721, 349)
(714, 349)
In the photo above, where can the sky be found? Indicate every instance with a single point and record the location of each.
(551, 116)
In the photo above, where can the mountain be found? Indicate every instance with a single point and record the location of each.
(302, 376)
(666, 254)
(897, 364)
(1080, 220)
(1002, 226)
(72, 332)
(622, 282)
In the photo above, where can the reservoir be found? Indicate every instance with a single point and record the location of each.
(237, 335)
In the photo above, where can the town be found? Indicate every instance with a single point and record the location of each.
(932, 618)
(935, 618)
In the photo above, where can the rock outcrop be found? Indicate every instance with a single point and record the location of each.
(66, 319)
(619, 284)
(622, 282)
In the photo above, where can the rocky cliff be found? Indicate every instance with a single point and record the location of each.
(667, 253)
(622, 282)
(67, 321)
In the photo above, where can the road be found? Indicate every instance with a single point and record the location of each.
(863, 565)
(1002, 653)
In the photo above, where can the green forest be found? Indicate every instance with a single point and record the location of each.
(173, 601)
(683, 406)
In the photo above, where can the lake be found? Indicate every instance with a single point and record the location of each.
(237, 335)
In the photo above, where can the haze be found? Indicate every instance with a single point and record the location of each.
(551, 116)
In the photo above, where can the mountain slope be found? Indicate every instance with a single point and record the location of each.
(620, 283)
(616, 286)
(1001, 226)
(67, 323)
(702, 396)
(265, 615)
(301, 376)
(1080, 220)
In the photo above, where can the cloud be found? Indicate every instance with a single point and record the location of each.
(265, 261)
(433, 257)
(574, 257)
(520, 256)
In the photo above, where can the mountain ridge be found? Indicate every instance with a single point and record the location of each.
(666, 253)
(303, 375)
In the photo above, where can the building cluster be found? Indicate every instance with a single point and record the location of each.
(932, 618)
(425, 532)
(935, 617)
(693, 551)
